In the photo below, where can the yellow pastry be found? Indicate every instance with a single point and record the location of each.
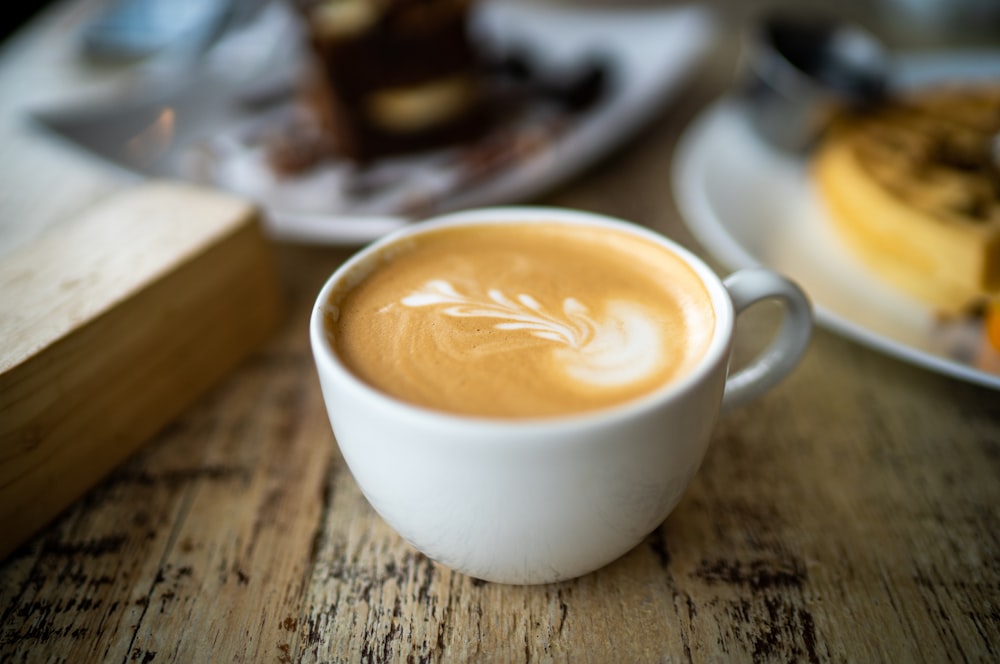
(913, 187)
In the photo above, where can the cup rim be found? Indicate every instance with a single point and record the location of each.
(717, 350)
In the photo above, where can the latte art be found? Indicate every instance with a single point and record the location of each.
(625, 349)
(620, 348)
(521, 319)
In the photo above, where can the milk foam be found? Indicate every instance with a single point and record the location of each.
(522, 320)
(623, 346)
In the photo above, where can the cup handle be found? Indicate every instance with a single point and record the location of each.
(747, 287)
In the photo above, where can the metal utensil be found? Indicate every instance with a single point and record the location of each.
(800, 69)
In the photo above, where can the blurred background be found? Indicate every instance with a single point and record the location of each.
(902, 22)
(17, 14)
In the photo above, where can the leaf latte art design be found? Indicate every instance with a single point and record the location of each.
(622, 347)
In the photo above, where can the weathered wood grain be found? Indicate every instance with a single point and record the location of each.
(840, 518)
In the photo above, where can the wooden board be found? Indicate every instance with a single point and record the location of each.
(112, 323)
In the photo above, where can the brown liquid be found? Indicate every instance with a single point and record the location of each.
(521, 320)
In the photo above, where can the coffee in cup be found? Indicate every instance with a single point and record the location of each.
(524, 393)
(521, 320)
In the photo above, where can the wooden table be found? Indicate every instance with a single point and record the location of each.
(852, 514)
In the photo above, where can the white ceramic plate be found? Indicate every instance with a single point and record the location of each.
(199, 130)
(749, 204)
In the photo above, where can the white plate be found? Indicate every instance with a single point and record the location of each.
(197, 129)
(748, 204)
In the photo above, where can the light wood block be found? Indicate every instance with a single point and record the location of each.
(111, 324)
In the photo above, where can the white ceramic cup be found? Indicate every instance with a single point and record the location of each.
(537, 501)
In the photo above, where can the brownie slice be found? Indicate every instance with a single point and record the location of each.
(394, 76)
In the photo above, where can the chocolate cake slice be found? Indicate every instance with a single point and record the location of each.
(394, 76)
